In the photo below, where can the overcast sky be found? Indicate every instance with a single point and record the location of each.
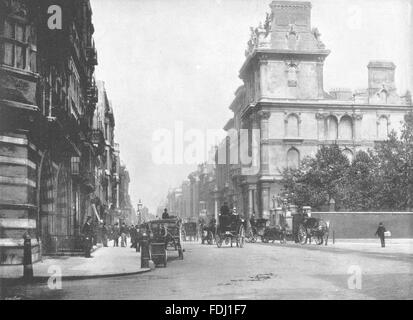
(178, 60)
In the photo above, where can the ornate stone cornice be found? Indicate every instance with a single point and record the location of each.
(264, 115)
(357, 116)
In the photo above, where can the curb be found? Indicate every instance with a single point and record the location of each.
(37, 279)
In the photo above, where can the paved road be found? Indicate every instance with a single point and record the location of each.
(257, 271)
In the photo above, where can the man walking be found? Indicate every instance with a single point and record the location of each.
(116, 235)
(87, 232)
(132, 233)
(225, 210)
(380, 233)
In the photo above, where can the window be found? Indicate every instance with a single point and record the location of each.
(349, 154)
(292, 126)
(331, 128)
(293, 158)
(382, 128)
(18, 48)
(292, 76)
(346, 128)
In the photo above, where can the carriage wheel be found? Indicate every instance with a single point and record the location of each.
(165, 259)
(283, 238)
(241, 237)
(218, 241)
(319, 240)
(253, 238)
(302, 235)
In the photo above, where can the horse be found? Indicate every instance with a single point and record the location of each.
(318, 229)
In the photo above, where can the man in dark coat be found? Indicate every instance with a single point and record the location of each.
(380, 233)
(133, 236)
(115, 235)
(87, 232)
(105, 233)
(225, 210)
(165, 214)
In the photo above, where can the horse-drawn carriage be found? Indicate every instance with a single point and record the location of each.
(298, 227)
(207, 231)
(230, 229)
(165, 235)
(308, 228)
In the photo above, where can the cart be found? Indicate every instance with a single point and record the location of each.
(229, 230)
(167, 235)
(190, 230)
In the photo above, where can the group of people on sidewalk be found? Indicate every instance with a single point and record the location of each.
(102, 233)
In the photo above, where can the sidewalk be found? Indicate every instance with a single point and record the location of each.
(373, 245)
(105, 262)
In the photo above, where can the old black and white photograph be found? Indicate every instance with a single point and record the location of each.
(206, 150)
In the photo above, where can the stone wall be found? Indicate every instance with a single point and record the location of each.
(357, 225)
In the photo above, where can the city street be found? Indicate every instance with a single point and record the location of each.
(257, 271)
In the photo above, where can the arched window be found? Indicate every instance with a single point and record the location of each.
(332, 128)
(292, 75)
(292, 126)
(293, 158)
(346, 128)
(383, 128)
(349, 154)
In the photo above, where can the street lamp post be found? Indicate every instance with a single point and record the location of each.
(139, 213)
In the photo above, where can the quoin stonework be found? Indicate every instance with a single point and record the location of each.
(59, 162)
(283, 97)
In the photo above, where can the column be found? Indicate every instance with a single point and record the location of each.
(255, 142)
(264, 154)
(250, 201)
(320, 125)
(357, 118)
(265, 200)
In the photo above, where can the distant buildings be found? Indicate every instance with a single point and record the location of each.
(58, 159)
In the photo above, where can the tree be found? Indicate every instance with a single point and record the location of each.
(318, 179)
(395, 162)
(380, 179)
(361, 183)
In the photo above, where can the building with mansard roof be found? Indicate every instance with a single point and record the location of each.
(283, 100)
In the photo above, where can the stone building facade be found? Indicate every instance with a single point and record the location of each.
(51, 143)
(285, 114)
(283, 97)
(195, 198)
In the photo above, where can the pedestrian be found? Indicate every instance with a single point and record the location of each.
(225, 210)
(104, 234)
(116, 233)
(87, 232)
(380, 233)
(132, 232)
(165, 214)
(123, 232)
